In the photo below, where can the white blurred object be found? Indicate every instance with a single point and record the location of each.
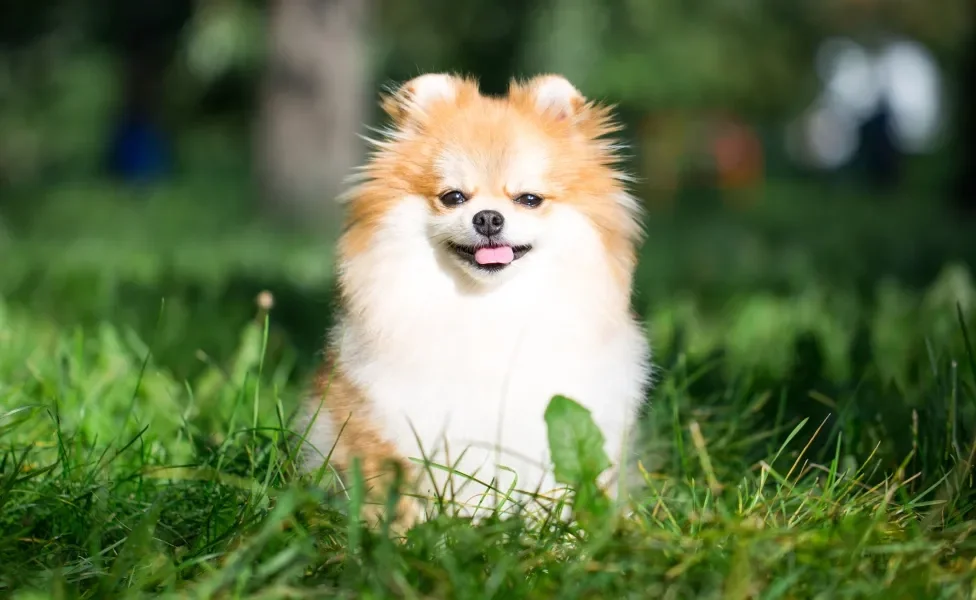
(851, 82)
(902, 74)
(823, 137)
(910, 78)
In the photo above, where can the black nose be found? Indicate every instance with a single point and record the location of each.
(488, 222)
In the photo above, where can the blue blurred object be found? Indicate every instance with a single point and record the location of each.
(139, 151)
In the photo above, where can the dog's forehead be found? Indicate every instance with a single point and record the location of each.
(501, 163)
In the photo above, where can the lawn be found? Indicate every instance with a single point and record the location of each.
(811, 432)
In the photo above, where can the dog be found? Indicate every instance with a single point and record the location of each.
(485, 266)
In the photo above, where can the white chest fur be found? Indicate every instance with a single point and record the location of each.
(469, 373)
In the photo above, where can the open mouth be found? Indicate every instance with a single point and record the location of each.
(493, 257)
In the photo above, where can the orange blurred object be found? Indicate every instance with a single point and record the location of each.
(738, 155)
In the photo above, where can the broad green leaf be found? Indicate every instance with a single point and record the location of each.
(575, 442)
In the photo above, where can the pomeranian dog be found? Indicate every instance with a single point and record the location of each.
(485, 267)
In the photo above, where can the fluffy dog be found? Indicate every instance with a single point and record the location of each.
(485, 266)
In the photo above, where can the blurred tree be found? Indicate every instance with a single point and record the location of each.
(315, 95)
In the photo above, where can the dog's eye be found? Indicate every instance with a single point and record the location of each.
(529, 200)
(453, 198)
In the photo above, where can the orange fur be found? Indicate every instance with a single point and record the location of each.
(579, 147)
(347, 411)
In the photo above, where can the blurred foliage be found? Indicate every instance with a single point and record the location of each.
(674, 53)
(222, 37)
(759, 331)
(753, 56)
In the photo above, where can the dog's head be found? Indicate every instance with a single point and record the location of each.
(494, 183)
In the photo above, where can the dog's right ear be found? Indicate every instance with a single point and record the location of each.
(409, 104)
(553, 95)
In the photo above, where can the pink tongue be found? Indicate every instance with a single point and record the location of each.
(501, 255)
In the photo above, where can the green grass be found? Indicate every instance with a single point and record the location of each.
(806, 439)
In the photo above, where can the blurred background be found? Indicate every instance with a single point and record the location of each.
(807, 168)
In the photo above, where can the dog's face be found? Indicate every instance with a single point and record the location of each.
(504, 181)
(494, 191)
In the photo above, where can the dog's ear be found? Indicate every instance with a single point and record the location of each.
(552, 95)
(409, 103)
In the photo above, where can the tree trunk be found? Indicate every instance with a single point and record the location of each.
(315, 98)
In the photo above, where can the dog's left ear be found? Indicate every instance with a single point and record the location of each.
(552, 95)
